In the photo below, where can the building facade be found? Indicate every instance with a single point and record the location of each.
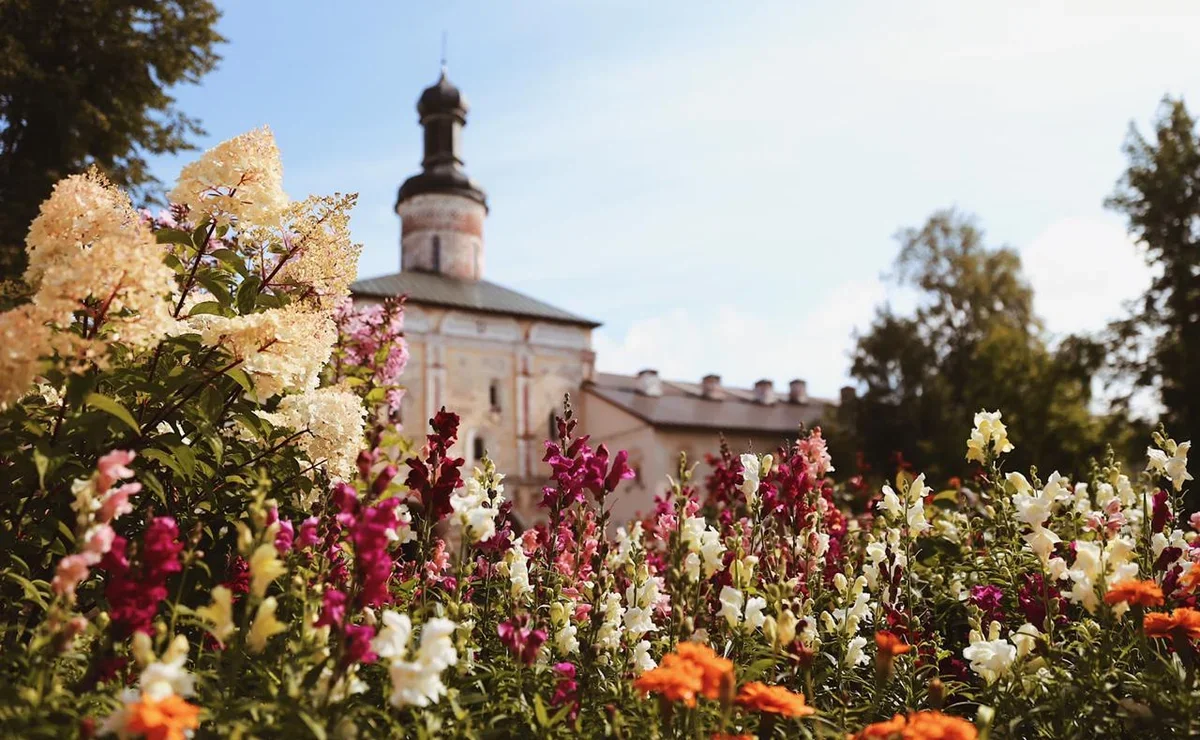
(504, 361)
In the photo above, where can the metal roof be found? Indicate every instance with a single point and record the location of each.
(439, 290)
(683, 405)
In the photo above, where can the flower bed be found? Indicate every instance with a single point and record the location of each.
(212, 526)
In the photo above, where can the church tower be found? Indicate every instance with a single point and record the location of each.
(441, 209)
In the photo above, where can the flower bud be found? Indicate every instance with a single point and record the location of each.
(937, 693)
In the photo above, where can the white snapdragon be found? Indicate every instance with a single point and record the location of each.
(990, 658)
(1170, 462)
(565, 631)
(474, 505)
(642, 660)
(416, 682)
(910, 508)
(989, 434)
(703, 542)
(855, 655)
(608, 637)
(1114, 561)
(753, 469)
(516, 566)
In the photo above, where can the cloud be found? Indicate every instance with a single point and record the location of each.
(1082, 271)
(743, 345)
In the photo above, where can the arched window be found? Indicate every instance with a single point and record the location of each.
(480, 448)
(437, 253)
(552, 428)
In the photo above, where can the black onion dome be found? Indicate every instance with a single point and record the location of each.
(442, 97)
(443, 111)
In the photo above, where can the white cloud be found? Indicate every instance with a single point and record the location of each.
(1082, 270)
(743, 346)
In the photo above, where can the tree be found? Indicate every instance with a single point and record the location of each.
(973, 342)
(1158, 344)
(86, 82)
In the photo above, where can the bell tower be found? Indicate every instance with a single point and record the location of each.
(441, 209)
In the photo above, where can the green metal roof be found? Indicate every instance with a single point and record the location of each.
(438, 290)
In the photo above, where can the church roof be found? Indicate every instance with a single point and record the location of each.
(683, 405)
(432, 289)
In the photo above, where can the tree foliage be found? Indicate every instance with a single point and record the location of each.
(972, 342)
(1158, 344)
(87, 82)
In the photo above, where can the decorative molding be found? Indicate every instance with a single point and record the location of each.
(557, 335)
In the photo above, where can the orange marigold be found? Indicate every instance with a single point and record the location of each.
(759, 697)
(1135, 593)
(715, 671)
(676, 680)
(166, 719)
(927, 725)
(1183, 622)
(890, 645)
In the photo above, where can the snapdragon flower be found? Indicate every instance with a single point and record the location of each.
(990, 658)
(989, 436)
(1170, 462)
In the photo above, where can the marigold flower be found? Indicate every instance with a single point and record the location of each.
(890, 645)
(759, 697)
(1135, 593)
(927, 725)
(1183, 622)
(675, 680)
(165, 719)
(715, 671)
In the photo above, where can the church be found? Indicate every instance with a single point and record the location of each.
(503, 360)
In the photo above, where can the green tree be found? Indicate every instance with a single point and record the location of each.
(972, 342)
(1158, 345)
(86, 82)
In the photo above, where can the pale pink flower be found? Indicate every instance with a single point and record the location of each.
(70, 573)
(116, 502)
(113, 467)
(99, 541)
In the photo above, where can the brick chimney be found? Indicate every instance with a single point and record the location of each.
(798, 391)
(764, 392)
(710, 387)
(648, 383)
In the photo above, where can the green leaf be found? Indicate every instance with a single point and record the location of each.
(756, 669)
(539, 710)
(317, 730)
(209, 307)
(114, 407)
(163, 458)
(172, 236)
(247, 295)
(42, 463)
(31, 591)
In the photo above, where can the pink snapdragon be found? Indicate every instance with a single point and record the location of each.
(522, 641)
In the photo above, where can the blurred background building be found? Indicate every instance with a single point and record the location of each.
(504, 360)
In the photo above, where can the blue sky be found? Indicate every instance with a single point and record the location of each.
(719, 183)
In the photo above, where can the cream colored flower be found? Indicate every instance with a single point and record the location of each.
(219, 614)
(265, 625)
(239, 179)
(989, 434)
(335, 419)
(282, 349)
(265, 567)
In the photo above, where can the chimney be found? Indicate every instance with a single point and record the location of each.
(798, 391)
(848, 395)
(764, 392)
(710, 386)
(648, 383)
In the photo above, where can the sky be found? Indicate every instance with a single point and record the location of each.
(720, 183)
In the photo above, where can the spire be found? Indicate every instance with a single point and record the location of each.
(443, 112)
